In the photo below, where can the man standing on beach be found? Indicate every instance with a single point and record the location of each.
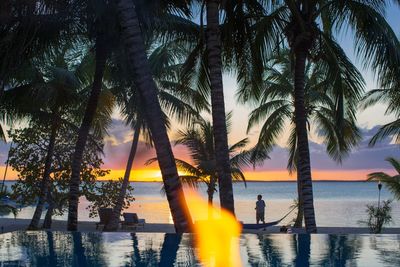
(260, 209)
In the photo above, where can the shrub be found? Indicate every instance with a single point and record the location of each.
(378, 216)
(106, 195)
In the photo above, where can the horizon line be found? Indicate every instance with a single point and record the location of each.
(249, 181)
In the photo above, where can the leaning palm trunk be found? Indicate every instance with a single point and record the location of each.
(34, 224)
(113, 224)
(48, 219)
(101, 57)
(169, 249)
(132, 38)
(218, 107)
(300, 214)
(303, 162)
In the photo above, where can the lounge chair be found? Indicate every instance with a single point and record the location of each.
(105, 216)
(131, 220)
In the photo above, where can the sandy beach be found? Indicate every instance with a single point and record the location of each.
(9, 225)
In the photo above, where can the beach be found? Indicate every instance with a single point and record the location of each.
(10, 225)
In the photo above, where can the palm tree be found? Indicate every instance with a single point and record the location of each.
(310, 40)
(203, 67)
(199, 139)
(84, 132)
(213, 44)
(104, 24)
(45, 98)
(176, 101)
(53, 97)
(29, 30)
(140, 68)
(275, 109)
(63, 96)
(391, 182)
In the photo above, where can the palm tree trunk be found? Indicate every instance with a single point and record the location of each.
(52, 252)
(79, 259)
(34, 224)
(218, 107)
(113, 224)
(210, 196)
(169, 249)
(210, 193)
(303, 162)
(302, 246)
(3, 185)
(48, 219)
(300, 214)
(132, 38)
(211, 190)
(73, 197)
(136, 252)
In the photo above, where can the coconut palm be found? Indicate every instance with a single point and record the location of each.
(176, 101)
(27, 30)
(276, 110)
(391, 182)
(53, 96)
(220, 49)
(309, 40)
(44, 99)
(214, 60)
(141, 70)
(199, 139)
(102, 25)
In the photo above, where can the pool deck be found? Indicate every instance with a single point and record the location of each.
(9, 225)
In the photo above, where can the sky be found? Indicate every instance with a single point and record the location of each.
(361, 161)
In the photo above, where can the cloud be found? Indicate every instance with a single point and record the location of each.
(362, 157)
(4, 147)
(117, 147)
(118, 144)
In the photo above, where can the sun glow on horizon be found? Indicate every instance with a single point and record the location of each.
(140, 175)
(154, 175)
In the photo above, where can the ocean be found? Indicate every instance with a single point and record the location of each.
(339, 204)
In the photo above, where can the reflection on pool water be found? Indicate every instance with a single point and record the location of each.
(145, 249)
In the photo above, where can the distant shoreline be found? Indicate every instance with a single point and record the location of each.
(255, 181)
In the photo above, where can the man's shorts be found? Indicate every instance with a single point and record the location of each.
(260, 216)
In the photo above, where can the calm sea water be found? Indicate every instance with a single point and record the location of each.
(336, 203)
(124, 249)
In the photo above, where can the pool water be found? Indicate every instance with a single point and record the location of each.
(156, 249)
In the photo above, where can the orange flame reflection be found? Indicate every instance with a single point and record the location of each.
(216, 233)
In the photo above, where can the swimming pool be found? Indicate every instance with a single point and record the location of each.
(156, 249)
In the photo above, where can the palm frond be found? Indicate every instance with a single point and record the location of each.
(390, 129)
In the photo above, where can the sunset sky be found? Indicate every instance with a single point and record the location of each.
(362, 161)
